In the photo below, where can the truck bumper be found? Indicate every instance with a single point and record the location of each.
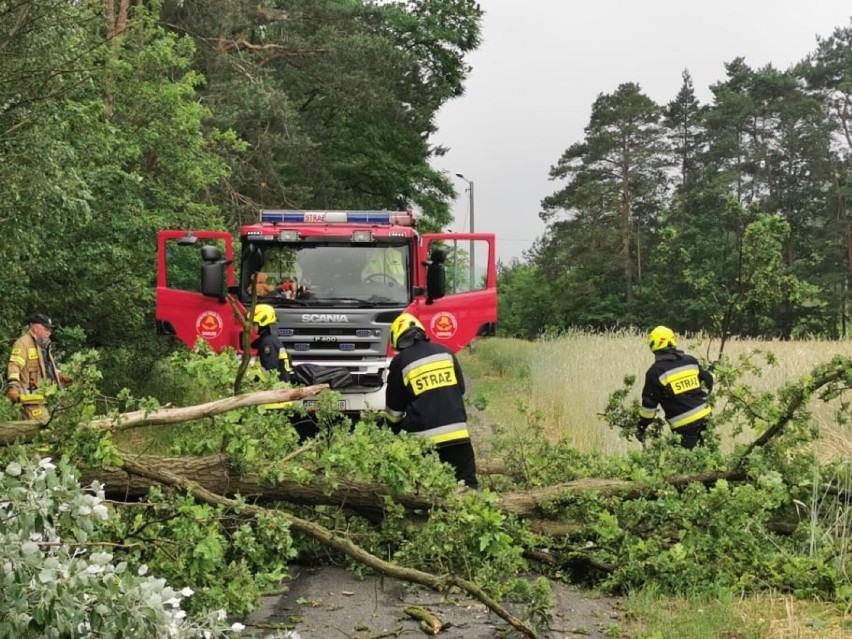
(357, 399)
(357, 402)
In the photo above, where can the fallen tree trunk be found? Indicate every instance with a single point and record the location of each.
(214, 474)
(26, 431)
(212, 480)
(331, 540)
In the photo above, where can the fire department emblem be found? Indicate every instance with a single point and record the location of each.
(209, 324)
(444, 325)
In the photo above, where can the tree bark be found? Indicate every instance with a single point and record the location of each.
(26, 431)
(430, 623)
(214, 474)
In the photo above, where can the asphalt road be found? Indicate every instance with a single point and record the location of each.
(329, 602)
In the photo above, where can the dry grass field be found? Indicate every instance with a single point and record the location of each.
(571, 376)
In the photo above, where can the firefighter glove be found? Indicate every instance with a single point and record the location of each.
(641, 431)
(14, 394)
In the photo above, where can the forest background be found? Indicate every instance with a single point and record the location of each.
(117, 121)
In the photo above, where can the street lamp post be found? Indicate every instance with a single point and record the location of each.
(472, 255)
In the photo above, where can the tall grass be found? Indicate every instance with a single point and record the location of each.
(568, 378)
(564, 383)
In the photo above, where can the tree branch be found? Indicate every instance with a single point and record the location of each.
(799, 398)
(329, 539)
(27, 430)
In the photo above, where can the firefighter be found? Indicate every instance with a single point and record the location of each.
(30, 363)
(273, 358)
(674, 381)
(424, 396)
(384, 266)
(270, 353)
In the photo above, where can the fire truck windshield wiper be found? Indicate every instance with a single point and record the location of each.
(382, 299)
(286, 301)
(353, 301)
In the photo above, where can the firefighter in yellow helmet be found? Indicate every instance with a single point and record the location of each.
(271, 354)
(680, 385)
(31, 362)
(424, 396)
(273, 358)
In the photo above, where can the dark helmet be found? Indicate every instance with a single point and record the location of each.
(44, 320)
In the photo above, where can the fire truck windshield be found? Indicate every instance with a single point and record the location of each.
(314, 274)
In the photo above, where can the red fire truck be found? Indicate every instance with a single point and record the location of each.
(337, 279)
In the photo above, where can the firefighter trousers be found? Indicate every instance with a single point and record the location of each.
(460, 457)
(692, 435)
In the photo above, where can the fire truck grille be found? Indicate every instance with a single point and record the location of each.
(336, 331)
(330, 346)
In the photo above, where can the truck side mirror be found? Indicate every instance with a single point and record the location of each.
(213, 279)
(211, 253)
(436, 277)
(213, 272)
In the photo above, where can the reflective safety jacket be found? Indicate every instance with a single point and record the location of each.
(29, 364)
(273, 358)
(425, 392)
(385, 265)
(272, 355)
(674, 382)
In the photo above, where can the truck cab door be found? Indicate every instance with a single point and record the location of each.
(468, 307)
(194, 271)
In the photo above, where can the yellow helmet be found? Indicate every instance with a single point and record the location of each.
(661, 337)
(402, 325)
(264, 315)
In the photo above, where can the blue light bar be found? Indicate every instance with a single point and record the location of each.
(400, 218)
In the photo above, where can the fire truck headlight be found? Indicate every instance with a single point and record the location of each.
(362, 236)
(288, 236)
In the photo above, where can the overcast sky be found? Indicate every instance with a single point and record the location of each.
(542, 63)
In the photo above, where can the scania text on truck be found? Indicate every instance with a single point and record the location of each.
(337, 279)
